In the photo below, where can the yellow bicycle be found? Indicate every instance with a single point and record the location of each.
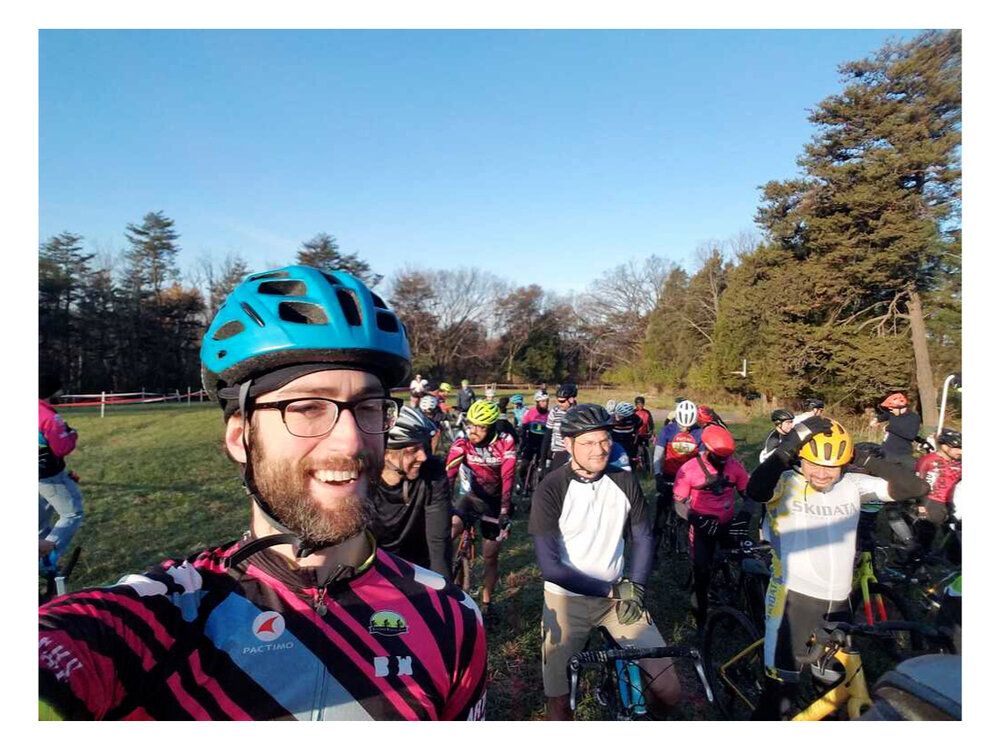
(838, 682)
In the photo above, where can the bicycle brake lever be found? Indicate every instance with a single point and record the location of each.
(574, 677)
(699, 668)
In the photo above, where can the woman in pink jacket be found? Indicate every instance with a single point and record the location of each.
(55, 441)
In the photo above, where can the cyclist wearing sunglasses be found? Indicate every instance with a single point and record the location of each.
(304, 617)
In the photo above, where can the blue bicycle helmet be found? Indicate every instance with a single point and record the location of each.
(517, 399)
(301, 315)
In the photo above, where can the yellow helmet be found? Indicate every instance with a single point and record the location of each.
(834, 449)
(483, 413)
(444, 387)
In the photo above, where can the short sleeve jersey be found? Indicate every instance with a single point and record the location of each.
(813, 533)
(679, 446)
(589, 519)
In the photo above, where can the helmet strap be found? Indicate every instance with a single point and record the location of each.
(396, 468)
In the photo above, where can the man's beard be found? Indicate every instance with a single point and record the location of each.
(285, 488)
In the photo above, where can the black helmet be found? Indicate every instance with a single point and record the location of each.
(814, 403)
(585, 417)
(780, 415)
(411, 428)
(639, 400)
(950, 437)
(567, 390)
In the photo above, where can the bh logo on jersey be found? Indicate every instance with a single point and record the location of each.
(268, 626)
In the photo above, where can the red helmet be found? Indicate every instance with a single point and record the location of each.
(705, 415)
(718, 441)
(896, 400)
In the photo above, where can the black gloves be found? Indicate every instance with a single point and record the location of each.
(739, 528)
(707, 524)
(788, 449)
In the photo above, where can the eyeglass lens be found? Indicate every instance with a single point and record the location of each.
(315, 417)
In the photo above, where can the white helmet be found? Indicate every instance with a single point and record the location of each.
(428, 403)
(541, 395)
(686, 413)
(624, 410)
(610, 406)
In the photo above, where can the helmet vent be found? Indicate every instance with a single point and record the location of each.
(228, 330)
(302, 312)
(282, 288)
(253, 314)
(221, 355)
(378, 301)
(332, 279)
(349, 304)
(272, 274)
(386, 321)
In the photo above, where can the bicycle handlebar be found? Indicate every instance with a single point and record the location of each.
(594, 657)
(836, 634)
(747, 548)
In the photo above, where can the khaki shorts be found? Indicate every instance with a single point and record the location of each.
(567, 622)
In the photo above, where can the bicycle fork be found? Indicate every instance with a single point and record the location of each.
(864, 576)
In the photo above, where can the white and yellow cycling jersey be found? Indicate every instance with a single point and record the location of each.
(813, 533)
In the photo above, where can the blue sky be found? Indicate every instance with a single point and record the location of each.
(545, 156)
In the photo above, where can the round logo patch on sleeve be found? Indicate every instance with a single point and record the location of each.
(268, 626)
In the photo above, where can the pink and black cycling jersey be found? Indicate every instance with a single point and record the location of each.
(535, 421)
(942, 475)
(696, 476)
(263, 640)
(491, 467)
(55, 441)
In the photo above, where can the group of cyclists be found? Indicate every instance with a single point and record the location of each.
(338, 603)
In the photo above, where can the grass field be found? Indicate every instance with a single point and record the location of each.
(157, 484)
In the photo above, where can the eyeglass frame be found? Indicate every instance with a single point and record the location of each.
(342, 406)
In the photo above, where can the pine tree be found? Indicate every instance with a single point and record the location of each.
(63, 268)
(152, 255)
(323, 252)
(871, 222)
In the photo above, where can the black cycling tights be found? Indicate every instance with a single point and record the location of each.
(703, 547)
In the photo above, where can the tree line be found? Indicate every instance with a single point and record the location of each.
(849, 288)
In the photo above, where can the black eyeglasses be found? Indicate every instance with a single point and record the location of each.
(316, 417)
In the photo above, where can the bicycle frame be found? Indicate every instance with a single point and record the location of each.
(739, 656)
(863, 575)
(851, 691)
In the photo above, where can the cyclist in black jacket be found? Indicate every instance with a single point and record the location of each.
(412, 506)
(901, 430)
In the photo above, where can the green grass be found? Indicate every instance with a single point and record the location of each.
(156, 484)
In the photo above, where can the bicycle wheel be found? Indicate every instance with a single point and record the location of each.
(530, 482)
(461, 573)
(677, 548)
(734, 661)
(645, 461)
